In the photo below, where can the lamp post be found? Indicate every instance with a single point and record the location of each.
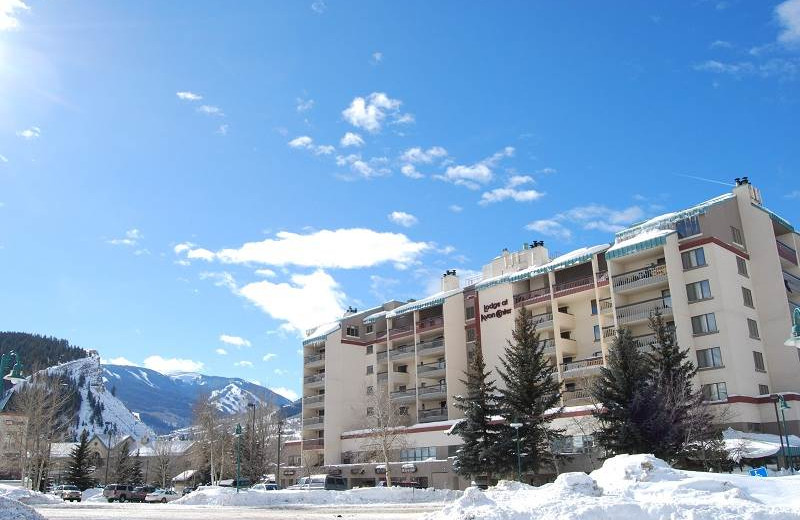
(516, 427)
(784, 407)
(108, 455)
(775, 398)
(278, 465)
(238, 454)
(252, 455)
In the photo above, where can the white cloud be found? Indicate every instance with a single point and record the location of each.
(280, 372)
(500, 194)
(455, 208)
(210, 110)
(795, 194)
(377, 57)
(351, 139)
(519, 180)
(30, 133)
(304, 105)
(304, 302)
(374, 167)
(266, 273)
(380, 286)
(783, 68)
(410, 171)
(269, 357)
(319, 6)
(221, 352)
(305, 142)
(118, 361)
(472, 176)
(288, 393)
(248, 364)
(550, 228)
(9, 10)
(418, 155)
(188, 96)
(401, 218)
(236, 341)
(3, 158)
(222, 279)
(172, 365)
(132, 237)
(404, 119)
(222, 129)
(369, 113)
(788, 14)
(720, 44)
(603, 218)
(547, 171)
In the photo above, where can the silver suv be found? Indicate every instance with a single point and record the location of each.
(121, 492)
(67, 492)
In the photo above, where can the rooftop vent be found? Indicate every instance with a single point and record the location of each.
(741, 180)
(449, 272)
(537, 243)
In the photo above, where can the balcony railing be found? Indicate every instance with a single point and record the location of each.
(404, 394)
(402, 351)
(313, 444)
(640, 278)
(313, 421)
(309, 360)
(791, 282)
(383, 376)
(433, 415)
(606, 306)
(645, 341)
(548, 345)
(425, 391)
(426, 347)
(430, 367)
(609, 332)
(578, 393)
(382, 356)
(573, 286)
(582, 364)
(786, 252)
(437, 322)
(380, 334)
(402, 330)
(602, 278)
(313, 399)
(535, 296)
(643, 310)
(316, 378)
(543, 320)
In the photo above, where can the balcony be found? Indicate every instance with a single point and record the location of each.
(401, 331)
(548, 346)
(567, 346)
(315, 381)
(642, 311)
(380, 334)
(606, 306)
(382, 356)
(430, 348)
(582, 367)
(428, 324)
(609, 333)
(401, 352)
(433, 415)
(313, 444)
(573, 286)
(786, 253)
(646, 341)
(313, 423)
(602, 278)
(404, 396)
(535, 296)
(383, 377)
(640, 278)
(314, 401)
(431, 370)
(542, 321)
(432, 392)
(317, 360)
(792, 283)
(578, 393)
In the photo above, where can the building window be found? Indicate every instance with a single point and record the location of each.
(704, 324)
(368, 329)
(594, 307)
(370, 390)
(736, 233)
(294, 460)
(758, 360)
(709, 358)
(763, 390)
(417, 454)
(741, 266)
(369, 349)
(752, 327)
(698, 291)
(370, 411)
(370, 369)
(693, 258)
(715, 392)
(747, 296)
(597, 332)
(688, 227)
(402, 410)
(471, 335)
(469, 313)
(352, 331)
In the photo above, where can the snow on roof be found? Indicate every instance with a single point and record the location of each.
(746, 445)
(412, 428)
(774, 216)
(372, 318)
(184, 475)
(61, 450)
(578, 256)
(430, 301)
(172, 447)
(667, 219)
(321, 332)
(641, 242)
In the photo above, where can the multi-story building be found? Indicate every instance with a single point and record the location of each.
(724, 274)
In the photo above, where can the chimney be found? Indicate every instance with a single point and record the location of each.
(450, 280)
(350, 311)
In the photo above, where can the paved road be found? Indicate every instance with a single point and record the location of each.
(103, 511)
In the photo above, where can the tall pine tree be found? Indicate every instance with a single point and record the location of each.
(123, 464)
(629, 412)
(477, 456)
(80, 468)
(135, 476)
(530, 390)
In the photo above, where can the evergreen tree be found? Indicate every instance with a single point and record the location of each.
(123, 464)
(530, 390)
(478, 453)
(135, 476)
(80, 467)
(630, 406)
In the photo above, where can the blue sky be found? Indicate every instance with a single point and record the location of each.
(202, 183)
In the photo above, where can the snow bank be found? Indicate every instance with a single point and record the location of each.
(630, 487)
(26, 496)
(93, 495)
(14, 510)
(225, 496)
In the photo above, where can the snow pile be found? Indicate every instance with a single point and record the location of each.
(631, 487)
(225, 496)
(27, 496)
(14, 510)
(93, 495)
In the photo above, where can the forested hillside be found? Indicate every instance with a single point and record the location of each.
(37, 352)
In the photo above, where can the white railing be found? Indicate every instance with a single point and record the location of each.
(643, 310)
(568, 395)
(433, 415)
(423, 347)
(640, 278)
(314, 399)
(399, 352)
(583, 364)
(314, 379)
(313, 359)
(542, 320)
(430, 367)
(435, 389)
(313, 421)
(400, 394)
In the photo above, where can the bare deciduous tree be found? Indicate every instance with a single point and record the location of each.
(163, 454)
(385, 424)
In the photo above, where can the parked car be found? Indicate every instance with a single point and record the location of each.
(120, 492)
(321, 481)
(162, 495)
(187, 490)
(264, 486)
(67, 492)
(140, 492)
(244, 482)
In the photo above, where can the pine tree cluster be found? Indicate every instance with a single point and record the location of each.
(80, 468)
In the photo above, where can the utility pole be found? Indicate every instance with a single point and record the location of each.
(238, 455)
(278, 465)
(252, 457)
(775, 398)
(108, 454)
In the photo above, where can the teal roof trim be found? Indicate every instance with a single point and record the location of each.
(635, 248)
(774, 216)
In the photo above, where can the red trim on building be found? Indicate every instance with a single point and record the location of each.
(762, 399)
(440, 427)
(713, 240)
(354, 342)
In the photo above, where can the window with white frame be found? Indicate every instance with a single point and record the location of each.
(352, 331)
(741, 266)
(758, 361)
(698, 291)
(752, 328)
(715, 392)
(369, 328)
(597, 332)
(704, 324)
(709, 358)
(688, 227)
(763, 390)
(736, 234)
(747, 297)
(418, 454)
(693, 258)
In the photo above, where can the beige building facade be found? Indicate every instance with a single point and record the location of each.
(723, 273)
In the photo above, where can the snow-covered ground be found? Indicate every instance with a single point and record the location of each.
(633, 487)
(224, 496)
(26, 496)
(14, 510)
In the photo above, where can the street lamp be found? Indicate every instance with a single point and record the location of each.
(278, 465)
(784, 407)
(238, 454)
(108, 454)
(794, 339)
(251, 457)
(516, 427)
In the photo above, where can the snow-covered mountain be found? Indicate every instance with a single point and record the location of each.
(165, 402)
